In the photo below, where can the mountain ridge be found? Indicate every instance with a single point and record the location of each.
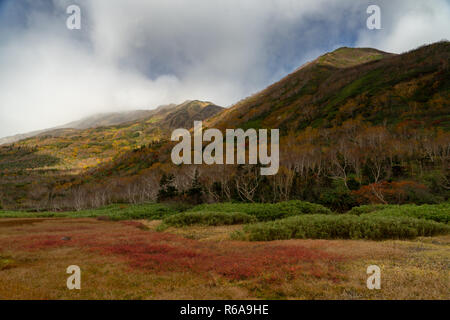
(95, 120)
(322, 90)
(104, 120)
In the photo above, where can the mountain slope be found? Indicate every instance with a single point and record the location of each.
(80, 148)
(350, 83)
(179, 117)
(349, 94)
(97, 120)
(109, 119)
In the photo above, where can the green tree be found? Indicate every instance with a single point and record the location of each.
(195, 192)
(167, 189)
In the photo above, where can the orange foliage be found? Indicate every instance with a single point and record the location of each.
(387, 192)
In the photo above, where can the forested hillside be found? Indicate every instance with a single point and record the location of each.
(357, 126)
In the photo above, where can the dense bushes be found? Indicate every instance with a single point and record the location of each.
(438, 212)
(25, 214)
(341, 227)
(338, 200)
(261, 211)
(208, 218)
(129, 212)
(266, 211)
(367, 208)
(112, 212)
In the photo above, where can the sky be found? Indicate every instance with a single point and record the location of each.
(139, 54)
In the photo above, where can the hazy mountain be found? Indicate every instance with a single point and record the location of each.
(97, 120)
(177, 115)
(74, 149)
(21, 136)
(109, 119)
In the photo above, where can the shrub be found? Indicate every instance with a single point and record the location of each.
(438, 213)
(341, 227)
(208, 218)
(435, 212)
(302, 207)
(149, 211)
(338, 200)
(266, 211)
(367, 208)
(113, 212)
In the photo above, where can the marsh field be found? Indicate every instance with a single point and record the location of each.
(287, 250)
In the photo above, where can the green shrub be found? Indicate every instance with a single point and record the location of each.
(208, 218)
(338, 200)
(296, 207)
(151, 211)
(344, 226)
(266, 211)
(435, 212)
(25, 214)
(367, 208)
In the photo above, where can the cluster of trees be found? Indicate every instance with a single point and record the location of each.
(339, 167)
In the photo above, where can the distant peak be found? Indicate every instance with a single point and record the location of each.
(345, 57)
(196, 103)
(349, 50)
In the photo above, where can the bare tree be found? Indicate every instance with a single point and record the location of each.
(247, 182)
(79, 199)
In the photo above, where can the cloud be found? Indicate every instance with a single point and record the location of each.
(138, 54)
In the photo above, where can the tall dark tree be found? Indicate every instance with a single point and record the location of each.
(195, 192)
(167, 189)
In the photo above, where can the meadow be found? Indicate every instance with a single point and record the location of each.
(287, 250)
(292, 219)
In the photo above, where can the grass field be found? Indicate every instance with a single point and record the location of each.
(195, 258)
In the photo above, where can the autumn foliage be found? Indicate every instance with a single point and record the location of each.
(389, 192)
